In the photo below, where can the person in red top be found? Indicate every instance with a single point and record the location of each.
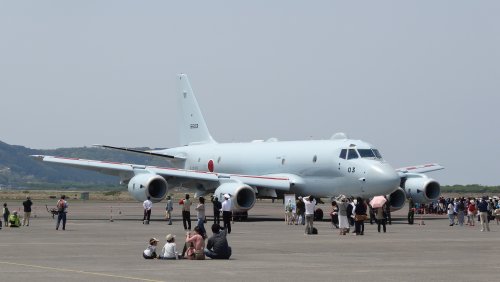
(471, 212)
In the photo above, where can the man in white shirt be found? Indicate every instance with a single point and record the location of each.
(227, 212)
(309, 202)
(147, 205)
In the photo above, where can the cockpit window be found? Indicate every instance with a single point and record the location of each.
(377, 154)
(352, 154)
(343, 154)
(366, 153)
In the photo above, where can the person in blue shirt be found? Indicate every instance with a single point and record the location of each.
(482, 206)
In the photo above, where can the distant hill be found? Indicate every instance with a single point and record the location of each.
(19, 170)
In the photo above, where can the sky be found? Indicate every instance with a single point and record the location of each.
(419, 80)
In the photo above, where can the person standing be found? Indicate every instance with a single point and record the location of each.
(380, 218)
(147, 205)
(227, 212)
(350, 215)
(168, 210)
(411, 212)
(388, 213)
(482, 206)
(200, 215)
(360, 216)
(62, 209)
(27, 211)
(460, 211)
(309, 203)
(335, 215)
(451, 213)
(6, 214)
(216, 206)
(288, 212)
(472, 211)
(186, 213)
(300, 211)
(343, 221)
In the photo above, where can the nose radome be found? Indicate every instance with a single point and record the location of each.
(384, 178)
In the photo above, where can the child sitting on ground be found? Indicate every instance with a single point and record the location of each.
(150, 251)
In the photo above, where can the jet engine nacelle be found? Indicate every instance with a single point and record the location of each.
(242, 196)
(397, 199)
(422, 189)
(147, 185)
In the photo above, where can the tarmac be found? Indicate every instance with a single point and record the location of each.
(93, 248)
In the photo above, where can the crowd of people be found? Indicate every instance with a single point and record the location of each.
(345, 213)
(194, 247)
(349, 212)
(13, 219)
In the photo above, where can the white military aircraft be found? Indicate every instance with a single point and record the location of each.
(271, 168)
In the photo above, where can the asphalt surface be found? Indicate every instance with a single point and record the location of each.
(264, 249)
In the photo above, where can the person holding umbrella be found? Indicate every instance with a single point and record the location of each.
(379, 204)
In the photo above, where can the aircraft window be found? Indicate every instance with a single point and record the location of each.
(352, 154)
(376, 152)
(343, 154)
(366, 153)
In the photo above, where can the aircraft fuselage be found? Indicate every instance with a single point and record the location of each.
(318, 163)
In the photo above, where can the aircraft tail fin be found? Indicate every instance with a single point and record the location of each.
(192, 128)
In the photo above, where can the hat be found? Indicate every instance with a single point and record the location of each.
(227, 196)
(15, 212)
(169, 237)
(152, 240)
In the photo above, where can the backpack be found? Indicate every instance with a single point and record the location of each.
(60, 206)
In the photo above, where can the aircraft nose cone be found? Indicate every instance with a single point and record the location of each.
(384, 178)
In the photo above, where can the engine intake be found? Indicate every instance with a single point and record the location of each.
(147, 185)
(422, 189)
(397, 199)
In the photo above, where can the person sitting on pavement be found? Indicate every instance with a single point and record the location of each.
(217, 246)
(14, 220)
(150, 251)
(169, 251)
(195, 244)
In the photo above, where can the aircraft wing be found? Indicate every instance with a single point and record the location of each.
(419, 168)
(126, 172)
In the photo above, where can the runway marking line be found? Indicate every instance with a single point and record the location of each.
(79, 271)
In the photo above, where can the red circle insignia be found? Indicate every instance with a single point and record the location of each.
(211, 165)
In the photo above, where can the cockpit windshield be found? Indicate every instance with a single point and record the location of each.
(377, 154)
(366, 153)
(359, 153)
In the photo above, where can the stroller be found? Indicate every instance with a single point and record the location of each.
(52, 211)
